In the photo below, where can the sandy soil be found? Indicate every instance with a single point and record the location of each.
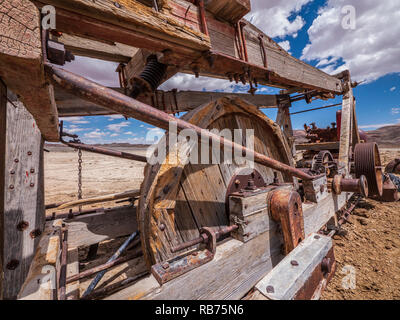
(371, 246)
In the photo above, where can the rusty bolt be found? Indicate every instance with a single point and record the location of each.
(12, 172)
(35, 233)
(165, 265)
(117, 5)
(162, 226)
(29, 153)
(12, 265)
(32, 170)
(23, 225)
(16, 160)
(237, 183)
(294, 263)
(322, 188)
(31, 184)
(194, 254)
(326, 266)
(317, 237)
(11, 186)
(270, 289)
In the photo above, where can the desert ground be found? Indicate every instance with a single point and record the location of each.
(371, 246)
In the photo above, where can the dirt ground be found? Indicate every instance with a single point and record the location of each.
(370, 250)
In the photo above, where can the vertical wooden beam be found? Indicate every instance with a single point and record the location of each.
(356, 133)
(346, 126)
(23, 196)
(3, 115)
(284, 120)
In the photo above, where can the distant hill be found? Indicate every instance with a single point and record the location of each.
(386, 136)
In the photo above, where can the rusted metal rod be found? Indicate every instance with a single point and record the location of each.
(63, 268)
(309, 110)
(202, 14)
(104, 266)
(203, 238)
(130, 107)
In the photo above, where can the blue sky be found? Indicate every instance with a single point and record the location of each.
(309, 30)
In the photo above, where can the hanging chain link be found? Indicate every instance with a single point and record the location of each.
(80, 176)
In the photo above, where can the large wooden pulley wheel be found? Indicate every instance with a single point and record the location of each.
(367, 162)
(177, 200)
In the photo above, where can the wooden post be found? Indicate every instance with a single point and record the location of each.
(3, 115)
(22, 197)
(346, 126)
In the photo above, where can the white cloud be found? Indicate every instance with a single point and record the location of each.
(117, 126)
(272, 16)
(129, 132)
(395, 110)
(114, 135)
(392, 89)
(285, 45)
(370, 51)
(94, 134)
(75, 120)
(115, 116)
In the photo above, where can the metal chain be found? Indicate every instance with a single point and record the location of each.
(80, 177)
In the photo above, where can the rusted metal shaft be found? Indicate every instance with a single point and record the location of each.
(203, 20)
(102, 267)
(130, 107)
(203, 239)
(107, 152)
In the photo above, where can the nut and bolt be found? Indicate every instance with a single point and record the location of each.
(162, 226)
(23, 225)
(12, 265)
(16, 160)
(29, 153)
(270, 289)
(31, 184)
(165, 265)
(294, 263)
(32, 170)
(35, 233)
(12, 172)
(11, 186)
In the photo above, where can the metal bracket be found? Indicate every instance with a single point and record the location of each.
(173, 268)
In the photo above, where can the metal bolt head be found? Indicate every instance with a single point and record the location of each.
(270, 289)
(11, 186)
(12, 172)
(165, 265)
(117, 5)
(23, 225)
(32, 170)
(35, 233)
(162, 226)
(12, 265)
(294, 263)
(16, 160)
(29, 153)
(31, 184)
(317, 237)
(322, 188)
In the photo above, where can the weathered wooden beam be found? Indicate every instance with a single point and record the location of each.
(21, 63)
(109, 51)
(176, 32)
(89, 229)
(23, 208)
(3, 135)
(41, 282)
(346, 126)
(229, 10)
(171, 102)
(129, 22)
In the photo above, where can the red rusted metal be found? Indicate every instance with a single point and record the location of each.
(319, 278)
(341, 184)
(286, 208)
(367, 161)
(63, 268)
(338, 123)
(203, 20)
(393, 166)
(390, 191)
(263, 51)
(204, 238)
(104, 266)
(129, 107)
(242, 24)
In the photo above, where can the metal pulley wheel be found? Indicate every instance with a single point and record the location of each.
(367, 162)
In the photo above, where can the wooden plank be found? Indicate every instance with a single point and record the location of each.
(318, 146)
(89, 229)
(182, 101)
(91, 48)
(21, 63)
(227, 276)
(177, 29)
(3, 117)
(229, 10)
(346, 126)
(72, 289)
(40, 283)
(132, 23)
(24, 213)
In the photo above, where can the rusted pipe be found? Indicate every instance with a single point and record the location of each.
(130, 107)
(105, 151)
(203, 238)
(242, 24)
(104, 266)
(203, 19)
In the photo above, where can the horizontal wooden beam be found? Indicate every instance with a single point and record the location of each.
(182, 101)
(90, 229)
(109, 51)
(176, 31)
